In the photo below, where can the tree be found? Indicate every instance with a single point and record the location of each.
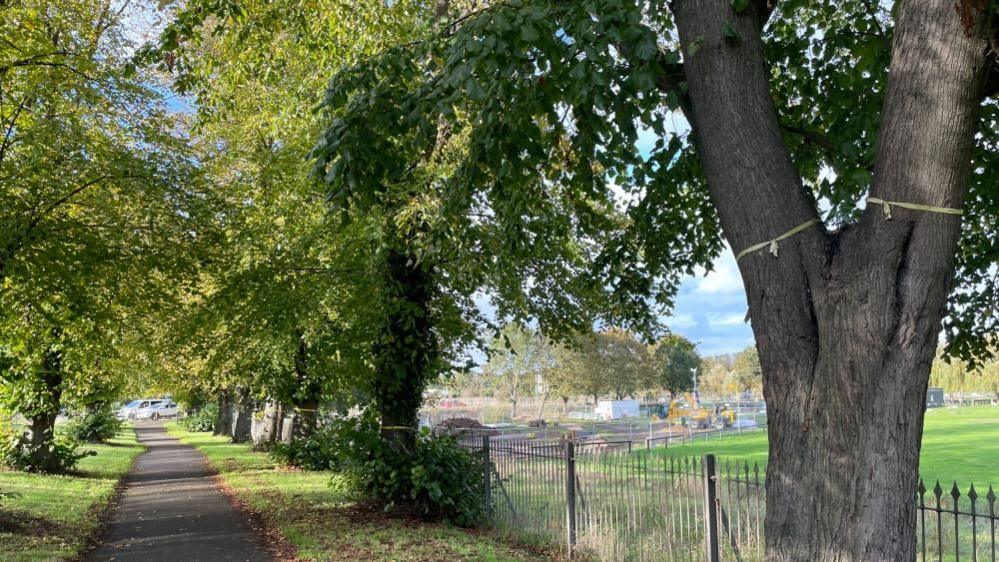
(611, 362)
(517, 359)
(100, 209)
(425, 264)
(778, 96)
(747, 371)
(674, 361)
(561, 376)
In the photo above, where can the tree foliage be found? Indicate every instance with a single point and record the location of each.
(101, 207)
(674, 361)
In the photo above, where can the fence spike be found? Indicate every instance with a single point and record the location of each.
(954, 492)
(972, 494)
(991, 496)
(921, 488)
(937, 490)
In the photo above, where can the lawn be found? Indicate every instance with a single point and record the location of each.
(53, 517)
(321, 518)
(959, 444)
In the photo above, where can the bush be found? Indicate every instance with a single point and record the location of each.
(17, 452)
(96, 426)
(339, 444)
(438, 477)
(202, 419)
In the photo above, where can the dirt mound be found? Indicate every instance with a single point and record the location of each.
(462, 423)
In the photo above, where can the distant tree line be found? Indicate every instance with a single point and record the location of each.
(612, 363)
(958, 376)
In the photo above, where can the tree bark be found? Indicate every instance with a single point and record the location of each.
(241, 429)
(303, 425)
(846, 323)
(268, 433)
(306, 397)
(223, 423)
(43, 421)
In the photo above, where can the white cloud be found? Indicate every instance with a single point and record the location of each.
(716, 320)
(724, 278)
(681, 321)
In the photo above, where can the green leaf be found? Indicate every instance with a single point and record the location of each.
(740, 5)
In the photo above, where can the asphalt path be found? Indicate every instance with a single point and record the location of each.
(172, 510)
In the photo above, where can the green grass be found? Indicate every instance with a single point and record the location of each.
(52, 517)
(959, 444)
(321, 518)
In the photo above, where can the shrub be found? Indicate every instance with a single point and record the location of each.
(17, 452)
(96, 426)
(339, 444)
(438, 477)
(202, 419)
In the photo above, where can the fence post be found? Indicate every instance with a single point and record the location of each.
(710, 510)
(487, 477)
(570, 495)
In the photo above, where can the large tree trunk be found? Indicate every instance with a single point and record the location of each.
(223, 422)
(268, 434)
(303, 425)
(305, 400)
(244, 418)
(43, 421)
(846, 323)
(406, 354)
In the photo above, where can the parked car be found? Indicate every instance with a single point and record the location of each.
(128, 411)
(161, 409)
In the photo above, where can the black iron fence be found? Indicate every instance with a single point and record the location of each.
(613, 502)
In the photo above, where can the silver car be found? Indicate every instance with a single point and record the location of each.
(158, 410)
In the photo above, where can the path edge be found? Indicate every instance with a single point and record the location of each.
(264, 532)
(105, 513)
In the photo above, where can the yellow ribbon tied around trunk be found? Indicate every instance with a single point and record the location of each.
(773, 245)
(887, 205)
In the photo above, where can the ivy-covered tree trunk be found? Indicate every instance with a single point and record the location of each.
(241, 428)
(406, 353)
(846, 322)
(223, 422)
(44, 417)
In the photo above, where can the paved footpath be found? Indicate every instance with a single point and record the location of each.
(173, 512)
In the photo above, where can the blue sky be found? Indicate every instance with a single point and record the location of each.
(711, 309)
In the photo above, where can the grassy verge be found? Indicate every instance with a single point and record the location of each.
(323, 521)
(52, 517)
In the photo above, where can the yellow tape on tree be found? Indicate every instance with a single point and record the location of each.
(773, 244)
(914, 206)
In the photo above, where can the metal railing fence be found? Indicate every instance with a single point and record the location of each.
(615, 503)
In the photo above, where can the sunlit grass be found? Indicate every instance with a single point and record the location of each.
(51, 517)
(959, 444)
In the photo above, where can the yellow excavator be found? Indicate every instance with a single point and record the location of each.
(699, 417)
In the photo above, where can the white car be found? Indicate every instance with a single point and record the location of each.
(128, 411)
(160, 409)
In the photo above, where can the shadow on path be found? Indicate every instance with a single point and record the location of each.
(172, 511)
